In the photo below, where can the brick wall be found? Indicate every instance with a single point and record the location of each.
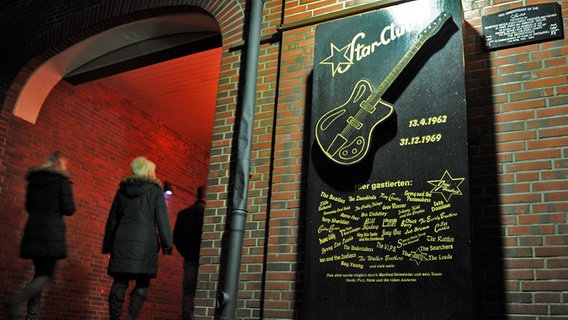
(517, 112)
(517, 105)
(100, 133)
(517, 137)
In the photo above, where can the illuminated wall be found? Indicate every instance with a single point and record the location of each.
(100, 133)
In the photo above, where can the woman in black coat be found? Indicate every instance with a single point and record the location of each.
(138, 225)
(49, 197)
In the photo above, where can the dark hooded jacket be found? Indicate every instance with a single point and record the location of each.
(138, 224)
(49, 197)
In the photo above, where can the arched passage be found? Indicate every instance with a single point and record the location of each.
(26, 97)
(179, 28)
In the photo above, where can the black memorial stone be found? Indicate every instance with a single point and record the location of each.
(524, 25)
(388, 232)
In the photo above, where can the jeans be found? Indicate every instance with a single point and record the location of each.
(189, 287)
(44, 267)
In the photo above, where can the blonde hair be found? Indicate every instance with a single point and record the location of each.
(141, 166)
(53, 160)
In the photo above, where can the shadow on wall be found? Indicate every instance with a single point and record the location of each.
(81, 285)
(488, 269)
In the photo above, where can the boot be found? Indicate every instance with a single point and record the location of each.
(33, 289)
(115, 307)
(116, 299)
(137, 298)
(33, 308)
(11, 309)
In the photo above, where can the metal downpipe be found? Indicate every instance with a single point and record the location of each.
(228, 298)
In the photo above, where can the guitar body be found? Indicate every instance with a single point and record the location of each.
(344, 133)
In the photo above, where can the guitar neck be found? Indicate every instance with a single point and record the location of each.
(426, 34)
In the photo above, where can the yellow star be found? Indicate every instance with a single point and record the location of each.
(447, 186)
(418, 256)
(340, 62)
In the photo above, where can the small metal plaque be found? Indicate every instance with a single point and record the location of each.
(524, 25)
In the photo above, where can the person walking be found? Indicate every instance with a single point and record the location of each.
(49, 197)
(137, 226)
(187, 239)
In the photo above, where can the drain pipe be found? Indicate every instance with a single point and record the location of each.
(228, 298)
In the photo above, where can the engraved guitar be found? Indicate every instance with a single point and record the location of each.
(344, 133)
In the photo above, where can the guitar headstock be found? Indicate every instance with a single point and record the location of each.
(435, 26)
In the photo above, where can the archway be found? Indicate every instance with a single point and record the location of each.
(122, 45)
(124, 42)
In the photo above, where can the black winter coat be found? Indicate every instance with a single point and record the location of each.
(49, 197)
(138, 224)
(187, 231)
